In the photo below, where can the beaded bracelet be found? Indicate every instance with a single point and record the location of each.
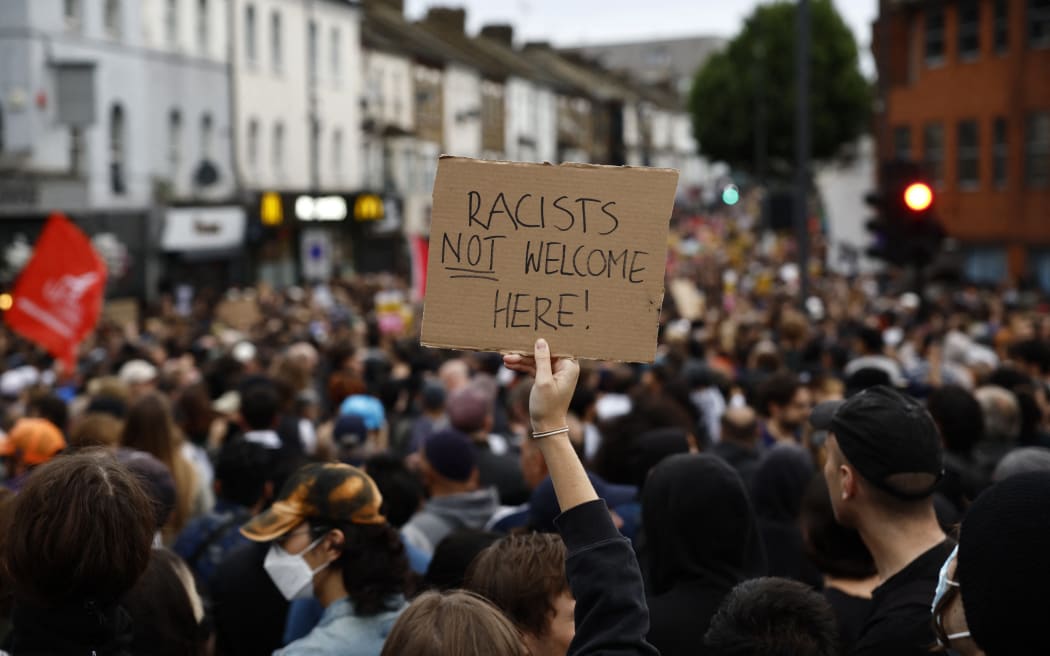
(550, 433)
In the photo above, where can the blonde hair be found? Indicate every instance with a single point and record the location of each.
(458, 623)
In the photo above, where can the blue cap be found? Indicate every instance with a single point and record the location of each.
(367, 408)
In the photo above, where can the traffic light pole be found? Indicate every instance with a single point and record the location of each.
(802, 146)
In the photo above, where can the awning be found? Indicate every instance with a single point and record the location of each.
(203, 229)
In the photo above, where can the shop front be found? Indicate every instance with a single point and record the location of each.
(311, 237)
(203, 247)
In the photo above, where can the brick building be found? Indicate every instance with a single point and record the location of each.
(966, 86)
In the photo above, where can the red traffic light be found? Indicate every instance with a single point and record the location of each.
(918, 196)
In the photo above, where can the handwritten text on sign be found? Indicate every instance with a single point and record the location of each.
(574, 253)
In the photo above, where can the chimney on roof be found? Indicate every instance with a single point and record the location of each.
(448, 18)
(502, 33)
(396, 5)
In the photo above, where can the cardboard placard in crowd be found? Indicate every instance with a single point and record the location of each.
(121, 311)
(240, 314)
(687, 298)
(575, 253)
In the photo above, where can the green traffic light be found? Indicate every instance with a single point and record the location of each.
(730, 195)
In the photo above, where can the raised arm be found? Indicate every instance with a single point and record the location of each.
(612, 618)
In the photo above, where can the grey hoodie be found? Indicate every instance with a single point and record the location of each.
(443, 515)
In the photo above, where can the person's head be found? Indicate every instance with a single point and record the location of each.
(50, 407)
(884, 456)
(983, 603)
(368, 408)
(699, 522)
(780, 482)
(96, 429)
(454, 374)
(524, 576)
(140, 378)
(401, 489)
(869, 341)
(149, 427)
(260, 406)
(772, 616)
(80, 530)
(835, 550)
(457, 623)
(325, 530)
(244, 473)
(785, 400)
(432, 397)
(958, 416)
(453, 556)
(30, 443)
(1021, 461)
(165, 609)
(740, 426)
(1002, 414)
(449, 464)
(470, 409)
(154, 477)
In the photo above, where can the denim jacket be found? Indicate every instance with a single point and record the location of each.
(342, 633)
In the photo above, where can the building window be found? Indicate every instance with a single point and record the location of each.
(968, 155)
(1039, 23)
(171, 22)
(1002, 26)
(999, 152)
(969, 31)
(337, 153)
(253, 144)
(112, 18)
(207, 136)
(934, 34)
(275, 41)
(902, 142)
(203, 36)
(1037, 150)
(311, 41)
(933, 151)
(249, 34)
(336, 54)
(71, 10)
(174, 141)
(117, 143)
(278, 148)
(985, 265)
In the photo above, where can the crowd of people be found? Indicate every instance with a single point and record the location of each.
(867, 472)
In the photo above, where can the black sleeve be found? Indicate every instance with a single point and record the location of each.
(612, 618)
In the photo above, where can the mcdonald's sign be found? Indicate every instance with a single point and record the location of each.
(368, 207)
(271, 209)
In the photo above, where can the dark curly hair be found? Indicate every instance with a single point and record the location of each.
(373, 564)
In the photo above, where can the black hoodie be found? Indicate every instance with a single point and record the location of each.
(701, 542)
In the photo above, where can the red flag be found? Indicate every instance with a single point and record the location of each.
(58, 296)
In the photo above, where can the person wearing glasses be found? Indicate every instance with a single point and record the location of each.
(985, 602)
(329, 540)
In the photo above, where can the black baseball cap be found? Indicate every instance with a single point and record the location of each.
(883, 433)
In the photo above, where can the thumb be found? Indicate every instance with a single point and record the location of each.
(543, 361)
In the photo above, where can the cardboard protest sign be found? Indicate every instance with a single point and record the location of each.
(240, 314)
(121, 311)
(687, 298)
(574, 253)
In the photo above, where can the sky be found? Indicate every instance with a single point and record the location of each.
(582, 22)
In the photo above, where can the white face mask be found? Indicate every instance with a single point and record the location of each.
(290, 572)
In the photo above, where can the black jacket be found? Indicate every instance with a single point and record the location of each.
(249, 610)
(84, 629)
(611, 616)
(701, 541)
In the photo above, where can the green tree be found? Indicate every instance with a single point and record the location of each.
(755, 77)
